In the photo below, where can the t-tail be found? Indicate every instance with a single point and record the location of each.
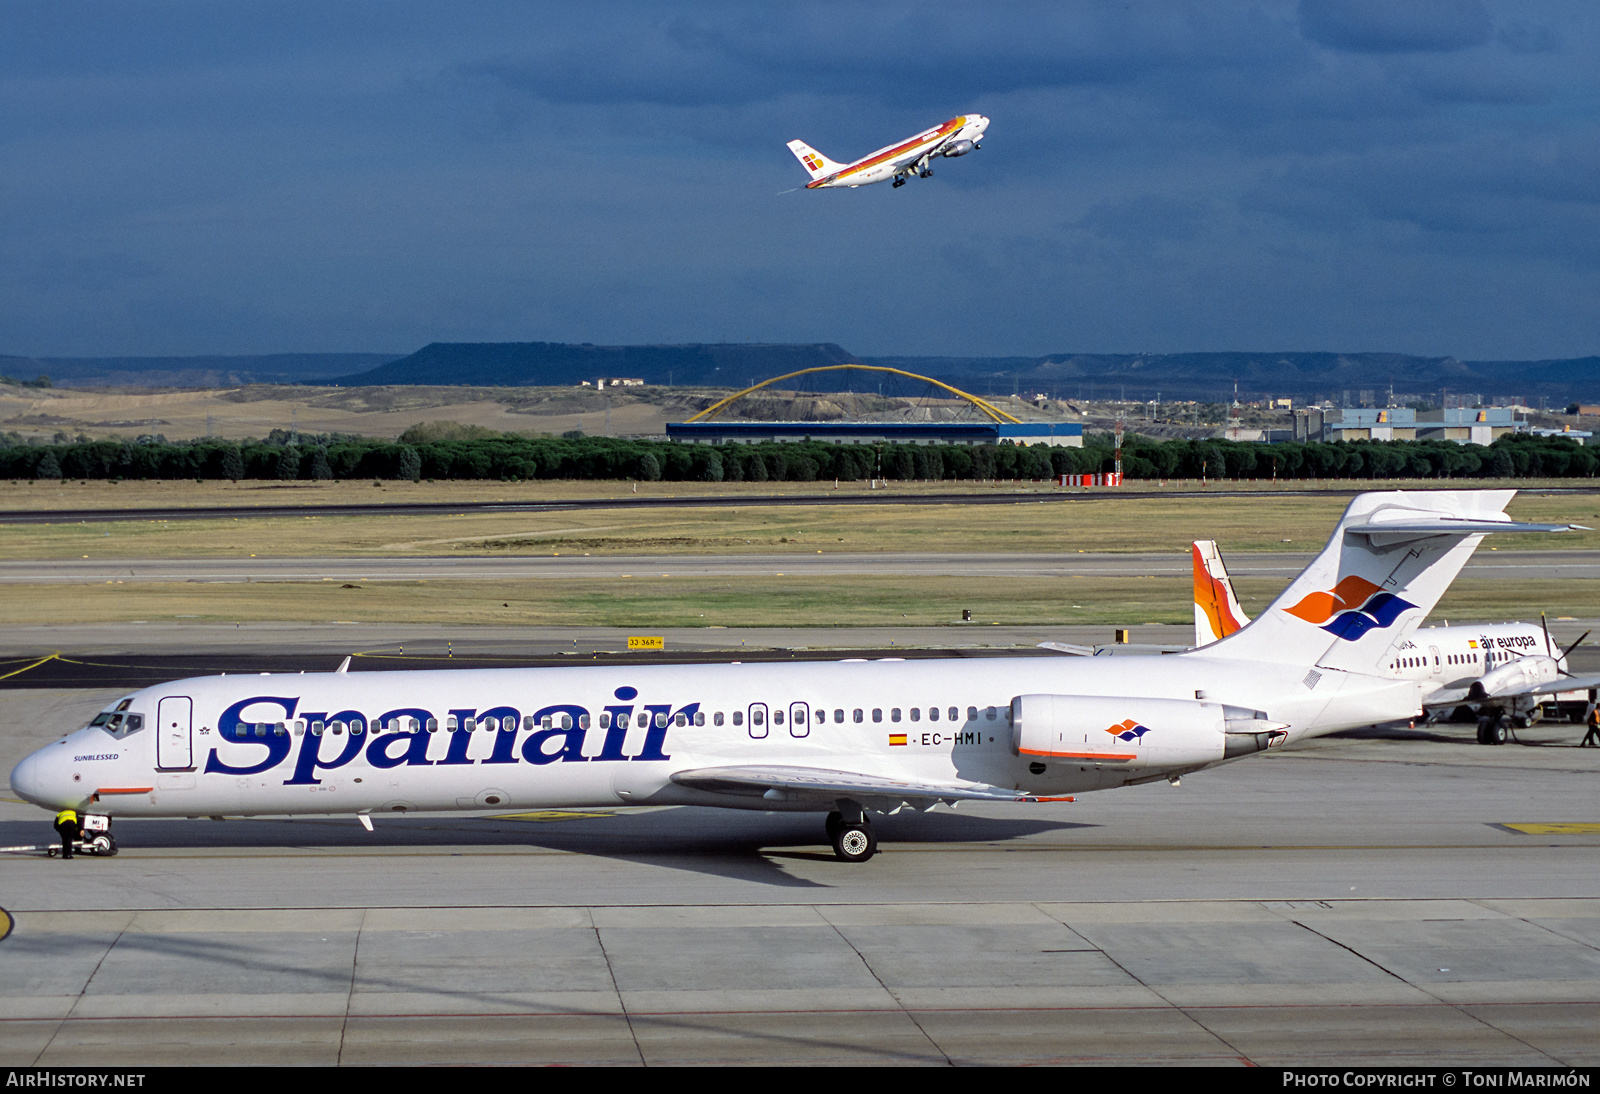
(1388, 563)
(816, 164)
(1216, 609)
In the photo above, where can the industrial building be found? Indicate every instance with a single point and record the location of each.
(1480, 425)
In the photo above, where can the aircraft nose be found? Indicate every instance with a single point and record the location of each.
(27, 779)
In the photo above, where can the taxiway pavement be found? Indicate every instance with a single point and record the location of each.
(1395, 897)
(1556, 565)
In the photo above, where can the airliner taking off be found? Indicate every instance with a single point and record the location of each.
(847, 738)
(956, 137)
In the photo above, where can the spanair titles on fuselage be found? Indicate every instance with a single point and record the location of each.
(913, 156)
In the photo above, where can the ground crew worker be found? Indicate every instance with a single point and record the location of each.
(1593, 736)
(67, 826)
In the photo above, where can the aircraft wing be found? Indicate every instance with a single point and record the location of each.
(779, 783)
(1457, 696)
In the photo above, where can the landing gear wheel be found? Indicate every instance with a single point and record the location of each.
(897, 183)
(854, 843)
(1492, 729)
(831, 825)
(104, 845)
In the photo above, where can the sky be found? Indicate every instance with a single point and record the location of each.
(1353, 175)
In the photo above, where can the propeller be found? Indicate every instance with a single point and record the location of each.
(1548, 646)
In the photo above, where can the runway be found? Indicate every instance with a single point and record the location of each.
(1559, 565)
(1398, 897)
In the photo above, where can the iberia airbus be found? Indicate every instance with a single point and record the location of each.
(956, 137)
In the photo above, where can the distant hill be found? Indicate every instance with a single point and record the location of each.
(1211, 376)
(210, 371)
(1176, 376)
(531, 364)
(1205, 376)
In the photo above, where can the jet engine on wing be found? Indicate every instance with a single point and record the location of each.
(957, 148)
(1137, 732)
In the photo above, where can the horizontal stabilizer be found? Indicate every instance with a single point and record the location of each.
(1403, 527)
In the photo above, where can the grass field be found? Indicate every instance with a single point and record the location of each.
(1091, 522)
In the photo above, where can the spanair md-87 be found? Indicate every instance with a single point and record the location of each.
(898, 161)
(847, 738)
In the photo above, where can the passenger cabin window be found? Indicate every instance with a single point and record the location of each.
(856, 715)
(877, 714)
(716, 719)
(738, 717)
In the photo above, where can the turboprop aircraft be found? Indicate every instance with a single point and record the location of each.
(956, 137)
(1503, 670)
(847, 738)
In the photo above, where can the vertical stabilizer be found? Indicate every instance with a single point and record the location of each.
(1389, 561)
(1216, 609)
(816, 164)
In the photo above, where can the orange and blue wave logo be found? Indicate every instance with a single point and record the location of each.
(1354, 607)
(1127, 730)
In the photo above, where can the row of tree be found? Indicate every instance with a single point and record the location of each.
(509, 457)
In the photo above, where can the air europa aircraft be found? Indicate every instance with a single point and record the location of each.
(1503, 671)
(956, 137)
(847, 738)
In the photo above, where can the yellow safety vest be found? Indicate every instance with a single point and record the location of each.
(66, 815)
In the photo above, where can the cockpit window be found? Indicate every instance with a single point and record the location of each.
(120, 725)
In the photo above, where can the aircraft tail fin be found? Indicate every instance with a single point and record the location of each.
(816, 164)
(1216, 609)
(1391, 558)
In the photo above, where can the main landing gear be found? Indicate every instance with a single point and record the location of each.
(852, 839)
(1492, 729)
(900, 180)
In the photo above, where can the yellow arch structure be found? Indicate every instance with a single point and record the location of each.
(994, 412)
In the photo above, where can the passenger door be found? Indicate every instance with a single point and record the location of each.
(174, 750)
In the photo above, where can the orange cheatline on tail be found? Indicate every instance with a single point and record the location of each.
(1216, 610)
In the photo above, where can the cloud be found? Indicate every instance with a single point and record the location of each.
(1396, 26)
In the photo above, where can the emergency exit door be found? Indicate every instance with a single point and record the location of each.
(174, 749)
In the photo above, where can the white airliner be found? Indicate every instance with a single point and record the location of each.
(899, 161)
(847, 738)
(1503, 670)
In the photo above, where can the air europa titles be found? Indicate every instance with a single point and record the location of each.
(260, 736)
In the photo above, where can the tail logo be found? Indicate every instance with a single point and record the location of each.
(1354, 607)
(1127, 730)
(813, 162)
